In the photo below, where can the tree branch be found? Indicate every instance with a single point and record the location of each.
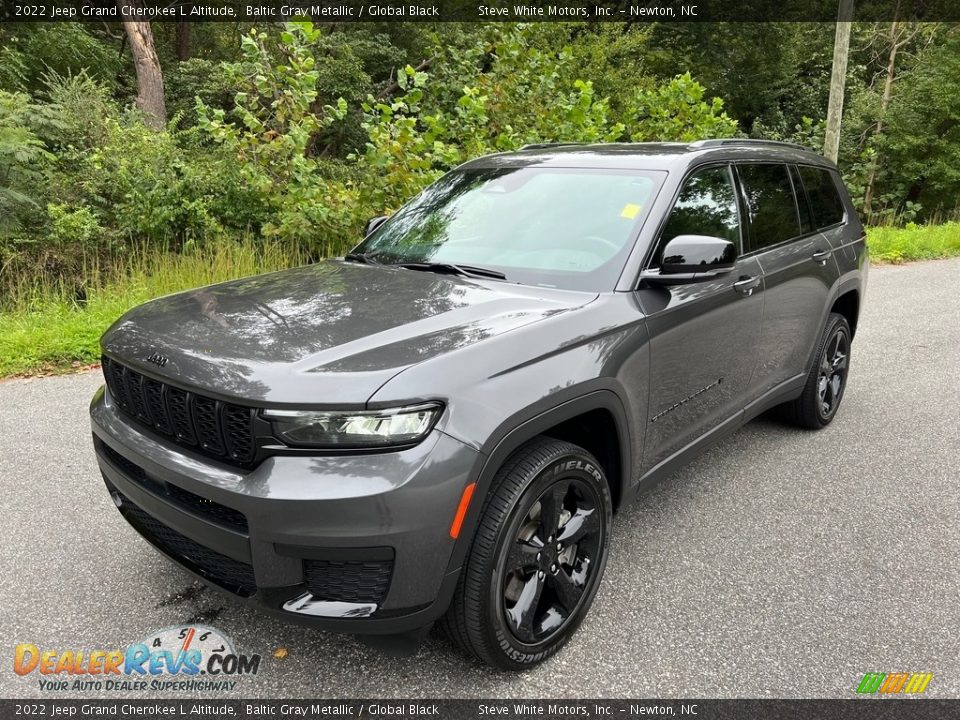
(394, 85)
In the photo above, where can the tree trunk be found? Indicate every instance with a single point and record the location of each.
(183, 39)
(884, 104)
(149, 75)
(841, 51)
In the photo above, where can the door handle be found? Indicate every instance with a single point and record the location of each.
(821, 256)
(746, 285)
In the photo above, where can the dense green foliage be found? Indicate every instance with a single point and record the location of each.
(298, 134)
(293, 136)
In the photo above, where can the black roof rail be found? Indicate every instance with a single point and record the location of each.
(720, 142)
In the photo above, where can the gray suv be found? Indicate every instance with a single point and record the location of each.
(440, 426)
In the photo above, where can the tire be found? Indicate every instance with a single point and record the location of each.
(826, 381)
(516, 617)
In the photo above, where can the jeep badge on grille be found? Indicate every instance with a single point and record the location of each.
(157, 359)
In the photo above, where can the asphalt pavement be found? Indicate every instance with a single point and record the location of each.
(782, 563)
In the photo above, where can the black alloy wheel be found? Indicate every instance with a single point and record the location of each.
(818, 403)
(833, 371)
(547, 568)
(537, 556)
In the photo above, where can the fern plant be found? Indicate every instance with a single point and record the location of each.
(24, 158)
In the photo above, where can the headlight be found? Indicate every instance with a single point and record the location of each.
(354, 429)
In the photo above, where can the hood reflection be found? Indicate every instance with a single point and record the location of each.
(264, 337)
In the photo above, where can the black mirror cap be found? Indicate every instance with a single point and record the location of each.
(374, 223)
(698, 254)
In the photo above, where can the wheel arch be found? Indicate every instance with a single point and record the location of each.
(847, 303)
(561, 422)
(846, 296)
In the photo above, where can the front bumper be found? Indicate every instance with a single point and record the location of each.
(355, 543)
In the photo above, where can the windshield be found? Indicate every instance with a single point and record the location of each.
(556, 227)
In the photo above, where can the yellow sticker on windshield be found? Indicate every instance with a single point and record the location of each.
(629, 211)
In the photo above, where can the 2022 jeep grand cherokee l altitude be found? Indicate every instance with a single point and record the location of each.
(440, 425)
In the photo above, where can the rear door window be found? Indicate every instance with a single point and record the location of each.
(771, 207)
(825, 202)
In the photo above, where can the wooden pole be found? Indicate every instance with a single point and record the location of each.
(841, 52)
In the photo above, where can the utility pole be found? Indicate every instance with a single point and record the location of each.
(841, 51)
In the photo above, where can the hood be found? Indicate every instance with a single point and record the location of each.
(330, 333)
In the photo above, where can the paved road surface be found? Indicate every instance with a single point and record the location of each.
(782, 563)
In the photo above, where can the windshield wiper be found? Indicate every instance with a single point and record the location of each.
(454, 269)
(360, 257)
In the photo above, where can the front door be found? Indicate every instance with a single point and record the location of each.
(703, 335)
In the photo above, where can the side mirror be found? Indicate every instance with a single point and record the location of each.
(692, 258)
(374, 223)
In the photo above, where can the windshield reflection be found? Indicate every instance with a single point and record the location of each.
(570, 228)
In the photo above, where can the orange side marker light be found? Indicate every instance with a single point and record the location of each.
(462, 510)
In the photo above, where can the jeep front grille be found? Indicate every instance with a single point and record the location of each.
(220, 430)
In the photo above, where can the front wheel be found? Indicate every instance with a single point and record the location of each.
(537, 557)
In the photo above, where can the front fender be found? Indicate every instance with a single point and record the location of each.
(525, 425)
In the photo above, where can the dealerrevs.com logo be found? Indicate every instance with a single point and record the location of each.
(191, 658)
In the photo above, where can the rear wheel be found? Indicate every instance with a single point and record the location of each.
(823, 391)
(537, 557)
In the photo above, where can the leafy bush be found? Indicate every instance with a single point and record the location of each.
(677, 111)
(519, 94)
(72, 226)
(62, 48)
(13, 67)
(24, 159)
(84, 109)
(110, 183)
(922, 142)
(276, 123)
(198, 78)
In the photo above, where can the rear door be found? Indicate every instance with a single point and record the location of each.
(798, 269)
(829, 214)
(703, 335)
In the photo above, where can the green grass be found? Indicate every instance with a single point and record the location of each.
(914, 242)
(42, 328)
